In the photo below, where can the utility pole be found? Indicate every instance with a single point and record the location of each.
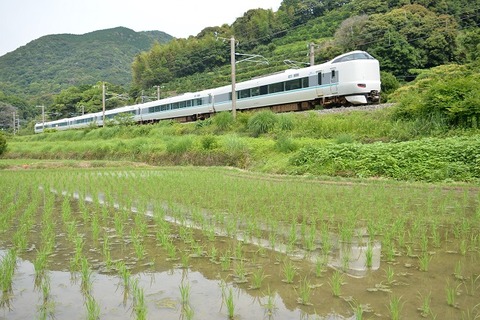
(234, 93)
(312, 54)
(158, 92)
(14, 123)
(103, 103)
(43, 117)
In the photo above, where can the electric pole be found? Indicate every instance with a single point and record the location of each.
(312, 54)
(14, 123)
(103, 103)
(43, 116)
(234, 93)
(158, 92)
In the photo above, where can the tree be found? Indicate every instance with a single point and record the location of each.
(402, 39)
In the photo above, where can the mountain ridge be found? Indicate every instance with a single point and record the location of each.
(54, 62)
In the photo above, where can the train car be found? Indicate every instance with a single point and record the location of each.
(349, 79)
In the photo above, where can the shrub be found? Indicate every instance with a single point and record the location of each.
(223, 120)
(285, 122)
(285, 144)
(3, 143)
(209, 142)
(179, 145)
(262, 122)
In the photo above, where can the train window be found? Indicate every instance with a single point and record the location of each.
(354, 56)
(276, 87)
(175, 105)
(263, 90)
(255, 91)
(293, 84)
(244, 94)
(304, 82)
(320, 82)
(165, 107)
(334, 76)
(183, 104)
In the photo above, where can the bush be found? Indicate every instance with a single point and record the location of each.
(262, 122)
(223, 120)
(3, 143)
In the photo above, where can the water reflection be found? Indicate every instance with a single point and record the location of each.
(66, 299)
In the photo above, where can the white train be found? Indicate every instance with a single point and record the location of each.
(352, 78)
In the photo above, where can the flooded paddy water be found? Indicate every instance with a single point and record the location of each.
(199, 243)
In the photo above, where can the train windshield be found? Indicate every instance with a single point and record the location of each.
(353, 56)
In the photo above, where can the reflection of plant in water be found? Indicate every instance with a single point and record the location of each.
(269, 305)
(369, 255)
(227, 299)
(93, 309)
(139, 305)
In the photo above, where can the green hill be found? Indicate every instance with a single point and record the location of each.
(55, 62)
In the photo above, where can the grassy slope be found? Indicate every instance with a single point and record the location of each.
(352, 144)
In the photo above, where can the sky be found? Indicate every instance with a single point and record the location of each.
(22, 21)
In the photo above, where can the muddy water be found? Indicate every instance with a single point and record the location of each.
(160, 276)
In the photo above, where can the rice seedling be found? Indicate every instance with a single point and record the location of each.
(395, 307)
(425, 307)
(124, 274)
(7, 270)
(320, 265)
(357, 308)
(424, 261)
(213, 254)
(240, 273)
(229, 301)
(452, 292)
(257, 279)
(289, 271)
(471, 285)
(86, 274)
(171, 251)
(304, 292)
(389, 273)
(336, 283)
(225, 261)
(463, 247)
(137, 244)
(106, 251)
(95, 228)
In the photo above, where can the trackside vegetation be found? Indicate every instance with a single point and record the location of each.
(361, 144)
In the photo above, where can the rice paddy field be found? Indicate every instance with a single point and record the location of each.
(219, 243)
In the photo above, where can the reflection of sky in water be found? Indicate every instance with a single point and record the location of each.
(161, 291)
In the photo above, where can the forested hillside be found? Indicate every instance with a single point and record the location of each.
(52, 63)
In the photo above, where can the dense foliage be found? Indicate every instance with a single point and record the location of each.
(3, 143)
(448, 93)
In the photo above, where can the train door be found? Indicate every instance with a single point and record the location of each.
(334, 81)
